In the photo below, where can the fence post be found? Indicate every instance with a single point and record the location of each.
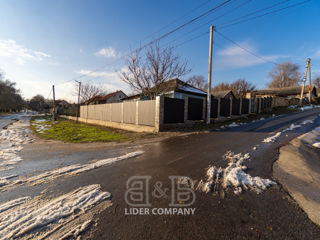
(219, 107)
(240, 107)
(259, 105)
(137, 112)
(159, 116)
(231, 102)
(122, 112)
(204, 109)
(186, 100)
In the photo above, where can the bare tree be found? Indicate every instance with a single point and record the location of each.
(198, 81)
(88, 91)
(221, 87)
(146, 73)
(239, 87)
(284, 75)
(316, 82)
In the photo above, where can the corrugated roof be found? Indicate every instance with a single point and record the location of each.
(222, 94)
(283, 91)
(102, 98)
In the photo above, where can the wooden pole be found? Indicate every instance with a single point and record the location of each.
(209, 77)
(304, 81)
(54, 104)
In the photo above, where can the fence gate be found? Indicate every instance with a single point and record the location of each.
(195, 106)
(235, 106)
(245, 106)
(173, 110)
(214, 108)
(224, 107)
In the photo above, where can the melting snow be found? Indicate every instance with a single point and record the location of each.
(272, 138)
(233, 176)
(12, 140)
(65, 171)
(290, 128)
(34, 218)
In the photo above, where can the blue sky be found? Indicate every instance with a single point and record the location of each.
(52, 42)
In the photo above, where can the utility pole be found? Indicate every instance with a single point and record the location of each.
(304, 81)
(209, 77)
(54, 104)
(309, 81)
(78, 108)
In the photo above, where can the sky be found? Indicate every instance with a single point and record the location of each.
(45, 43)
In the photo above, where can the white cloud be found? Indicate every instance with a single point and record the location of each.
(236, 57)
(19, 53)
(108, 52)
(109, 79)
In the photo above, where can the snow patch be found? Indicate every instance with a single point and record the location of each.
(233, 176)
(65, 171)
(272, 138)
(29, 218)
(12, 140)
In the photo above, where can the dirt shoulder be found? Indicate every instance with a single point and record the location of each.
(298, 170)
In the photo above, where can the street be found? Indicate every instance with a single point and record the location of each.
(271, 214)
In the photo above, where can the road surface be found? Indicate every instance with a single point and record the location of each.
(269, 215)
(7, 119)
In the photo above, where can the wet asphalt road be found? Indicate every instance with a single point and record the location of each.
(7, 119)
(270, 215)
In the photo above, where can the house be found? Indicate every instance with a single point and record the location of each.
(174, 88)
(283, 97)
(114, 97)
(286, 92)
(224, 94)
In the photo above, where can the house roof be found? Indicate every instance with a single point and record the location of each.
(103, 98)
(176, 85)
(222, 94)
(283, 91)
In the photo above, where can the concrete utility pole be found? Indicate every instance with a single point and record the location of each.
(309, 81)
(78, 108)
(209, 77)
(54, 104)
(304, 81)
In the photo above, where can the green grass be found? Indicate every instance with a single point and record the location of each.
(70, 131)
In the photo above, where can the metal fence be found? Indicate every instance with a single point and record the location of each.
(140, 112)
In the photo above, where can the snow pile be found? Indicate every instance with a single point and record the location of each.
(233, 125)
(291, 128)
(307, 121)
(316, 140)
(233, 176)
(65, 171)
(12, 140)
(272, 138)
(306, 108)
(29, 218)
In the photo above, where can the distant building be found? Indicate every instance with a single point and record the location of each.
(224, 94)
(287, 92)
(114, 97)
(174, 88)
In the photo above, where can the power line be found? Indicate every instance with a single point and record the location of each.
(158, 39)
(261, 15)
(205, 24)
(177, 19)
(250, 52)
